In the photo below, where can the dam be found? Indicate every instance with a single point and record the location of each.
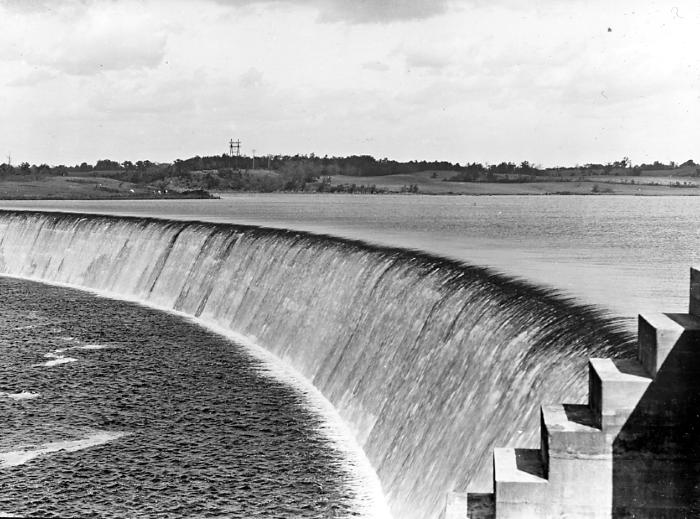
(430, 362)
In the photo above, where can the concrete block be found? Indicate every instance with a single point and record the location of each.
(455, 506)
(519, 477)
(582, 483)
(570, 432)
(614, 390)
(657, 336)
(522, 511)
(695, 292)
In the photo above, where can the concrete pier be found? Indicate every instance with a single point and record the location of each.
(632, 451)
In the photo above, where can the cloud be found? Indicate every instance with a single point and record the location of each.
(376, 66)
(380, 11)
(81, 38)
(252, 78)
(427, 60)
(26, 5)
(360, 11)
(33, 78)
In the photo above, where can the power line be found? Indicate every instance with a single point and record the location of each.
(237, 146)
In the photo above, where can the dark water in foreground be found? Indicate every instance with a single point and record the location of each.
(114, 410)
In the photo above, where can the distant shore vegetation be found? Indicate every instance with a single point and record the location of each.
(198, 176)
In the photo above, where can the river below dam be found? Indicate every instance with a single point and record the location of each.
(111, 409)
(430, 362)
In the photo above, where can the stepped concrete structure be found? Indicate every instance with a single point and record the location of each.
(632, 451)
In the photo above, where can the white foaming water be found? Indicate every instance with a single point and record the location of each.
(56, 359)
(28, 453)
(24, 395)
(83, 347)
(58, 362)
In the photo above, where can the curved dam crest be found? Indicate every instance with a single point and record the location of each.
(430, 362)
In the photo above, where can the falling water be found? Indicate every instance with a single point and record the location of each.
(431, 363)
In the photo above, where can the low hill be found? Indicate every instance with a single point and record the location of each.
(84, 188)
(436, 182)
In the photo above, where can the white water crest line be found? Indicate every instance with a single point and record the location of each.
(57, 362)
(82, 347)
(56, 359)
(370, 501)
(24, 395)
(22, 456)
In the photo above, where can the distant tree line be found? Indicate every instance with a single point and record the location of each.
(301, 172)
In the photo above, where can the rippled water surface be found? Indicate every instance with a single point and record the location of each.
(114, 410)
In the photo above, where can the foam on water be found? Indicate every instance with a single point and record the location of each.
(24, 454)
(23, 395)
(56, 359)
(82, 347)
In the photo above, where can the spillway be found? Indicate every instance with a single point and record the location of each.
(430, 362)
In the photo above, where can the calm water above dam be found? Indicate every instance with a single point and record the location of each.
(624, 254)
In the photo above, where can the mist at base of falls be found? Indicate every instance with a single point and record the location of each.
(429, 362)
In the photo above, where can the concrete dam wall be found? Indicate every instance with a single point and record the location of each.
(632, 451)
(430, 362)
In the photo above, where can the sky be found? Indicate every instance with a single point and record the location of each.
(554, 82)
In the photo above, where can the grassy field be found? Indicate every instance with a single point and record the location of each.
(427, 182)
(77, 188)
(430, 182)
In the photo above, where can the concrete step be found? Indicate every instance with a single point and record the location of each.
(520, 483)
(614, 389)
(578, 457)
(568, 432)
(455, 505)
(657, 335)
(661, 333)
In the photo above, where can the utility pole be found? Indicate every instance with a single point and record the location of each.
(237, 146)
(253, 159)
(268, 162)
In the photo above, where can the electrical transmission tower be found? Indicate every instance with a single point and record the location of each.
(9, 160)
(234, 145)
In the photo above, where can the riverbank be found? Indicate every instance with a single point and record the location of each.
(427, 183)
(93, 188)
(436, 183)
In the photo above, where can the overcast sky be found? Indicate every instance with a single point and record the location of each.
(549, 81)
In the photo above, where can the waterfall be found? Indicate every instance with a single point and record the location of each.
(430, 362)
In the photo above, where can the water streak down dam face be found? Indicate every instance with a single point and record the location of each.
(431, 363)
